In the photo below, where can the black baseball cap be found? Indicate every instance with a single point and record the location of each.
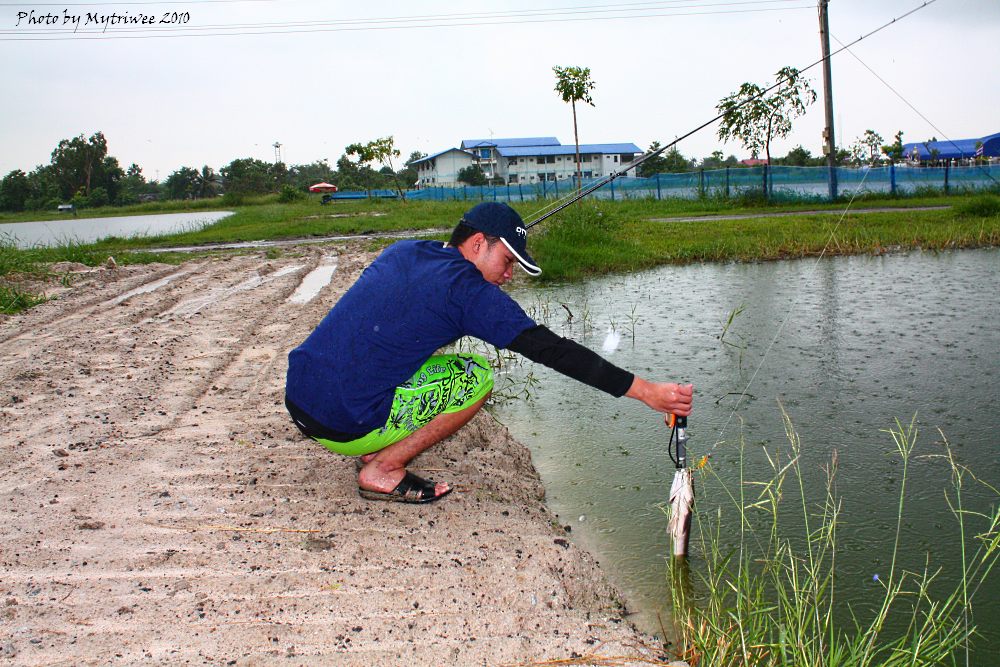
(500, 220)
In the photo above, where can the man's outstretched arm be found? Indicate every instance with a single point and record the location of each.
(581, 363)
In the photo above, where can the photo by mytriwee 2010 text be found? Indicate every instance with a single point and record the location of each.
(368, 382)
(94, 21)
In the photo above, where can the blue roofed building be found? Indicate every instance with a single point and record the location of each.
(524, 160)
(956, 149)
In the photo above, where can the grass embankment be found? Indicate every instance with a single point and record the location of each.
(596, 238)
(591, 237)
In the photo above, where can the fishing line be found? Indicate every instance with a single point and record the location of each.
(774, 339)
(812, 272)
(568, 200)
(791, 308)
(915, 109)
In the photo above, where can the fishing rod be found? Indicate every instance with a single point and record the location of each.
(596, 185)
(682, 488)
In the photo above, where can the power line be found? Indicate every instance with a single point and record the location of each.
(120, 4)
(402, 23)
(909, 104)
(560, 204)
(489, 16)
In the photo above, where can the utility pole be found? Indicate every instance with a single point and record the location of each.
(830, 146)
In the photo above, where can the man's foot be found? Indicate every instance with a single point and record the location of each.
(375, 479)
(361, 461)
(411, 489)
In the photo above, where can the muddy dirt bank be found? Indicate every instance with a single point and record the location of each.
(157, 505)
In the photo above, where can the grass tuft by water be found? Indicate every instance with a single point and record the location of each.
(982, 206)
(771, 599)
(14, 300)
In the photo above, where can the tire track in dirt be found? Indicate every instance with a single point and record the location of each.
(113, 283)
(100, 364)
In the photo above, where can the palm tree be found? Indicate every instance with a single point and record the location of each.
(205, 183)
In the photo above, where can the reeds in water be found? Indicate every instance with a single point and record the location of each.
(771, 598)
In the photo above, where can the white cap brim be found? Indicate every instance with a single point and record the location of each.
(528, 267)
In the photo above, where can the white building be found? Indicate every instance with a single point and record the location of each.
(442, 168)
(524, 160)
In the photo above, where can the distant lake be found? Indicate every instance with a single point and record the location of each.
(88, 230)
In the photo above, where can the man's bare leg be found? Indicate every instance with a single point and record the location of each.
(385, 469)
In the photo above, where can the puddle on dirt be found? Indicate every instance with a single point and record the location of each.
(145, 289)
(373, 214)
(315, 281)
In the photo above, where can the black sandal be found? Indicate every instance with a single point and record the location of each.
(411, 489)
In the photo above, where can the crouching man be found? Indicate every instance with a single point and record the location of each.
(366, 382)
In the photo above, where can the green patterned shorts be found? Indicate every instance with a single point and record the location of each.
(445, 383)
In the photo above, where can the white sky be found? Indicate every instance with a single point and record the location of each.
(659, 68)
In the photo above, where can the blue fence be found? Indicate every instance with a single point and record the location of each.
(812, 182)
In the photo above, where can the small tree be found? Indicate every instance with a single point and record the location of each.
(670, 161)
(932, 153)
(349, 174)
(718, 160)
(205, 182)
(381, 151)
(798, 157)
(574, 84)
(408, 174)
(676, 162)
(245, 176)
(713, 161)
(15, 190)
(894, 151)
(865, 148)
(755, 117)
(304, 175)
(132, 185)
(181, 184)
(76, 163)
(654, 165)
(472, 175)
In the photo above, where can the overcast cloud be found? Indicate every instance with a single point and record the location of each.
(659, 67)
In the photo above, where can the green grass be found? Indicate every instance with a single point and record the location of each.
(12, 260)
(595, 238)
(35, 263)
(591, 237)
(981, 206)
(771, 599)
(272, 220)
(14, 300)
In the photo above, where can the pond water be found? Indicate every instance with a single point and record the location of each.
(88, 230)
(849, 345)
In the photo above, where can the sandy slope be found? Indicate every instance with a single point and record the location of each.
(157, 506)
